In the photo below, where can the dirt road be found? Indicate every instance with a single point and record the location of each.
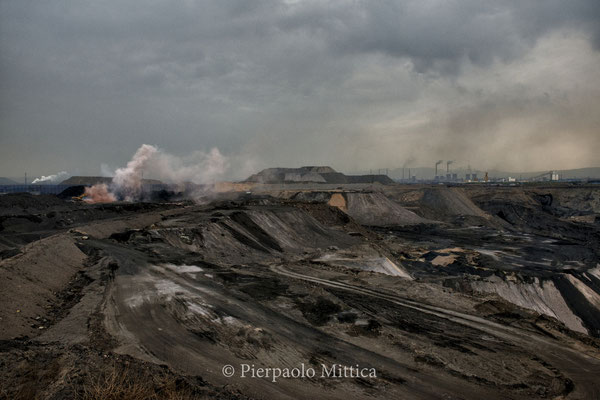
(581, 368)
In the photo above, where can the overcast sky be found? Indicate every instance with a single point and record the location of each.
(507, 84)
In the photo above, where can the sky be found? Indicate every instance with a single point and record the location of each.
(506, 84)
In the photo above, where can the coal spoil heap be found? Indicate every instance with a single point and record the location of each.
(312, 174)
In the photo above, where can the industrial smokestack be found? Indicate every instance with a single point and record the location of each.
(448, 166)
(436, 165)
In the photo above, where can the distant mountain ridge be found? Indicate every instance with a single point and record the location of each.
(7, 181)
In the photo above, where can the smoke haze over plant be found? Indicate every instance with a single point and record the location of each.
(353, 84)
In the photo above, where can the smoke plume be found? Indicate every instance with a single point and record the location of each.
(56, 178)
(99, 194)
(196, 168)
(128, 181)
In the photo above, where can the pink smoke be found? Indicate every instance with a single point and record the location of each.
(199, 167)
(98, 193)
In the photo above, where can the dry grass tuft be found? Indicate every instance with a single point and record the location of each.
(121, 383)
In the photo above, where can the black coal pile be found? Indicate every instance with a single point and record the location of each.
(72, 191)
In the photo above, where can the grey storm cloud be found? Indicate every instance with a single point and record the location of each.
(354, 84)
(444, 33)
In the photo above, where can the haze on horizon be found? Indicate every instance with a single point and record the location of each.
(505, 85)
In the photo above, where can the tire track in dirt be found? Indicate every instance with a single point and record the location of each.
(581, 368)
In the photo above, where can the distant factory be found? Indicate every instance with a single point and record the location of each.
(449, 177)
(465, 175)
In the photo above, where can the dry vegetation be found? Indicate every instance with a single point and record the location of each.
(122, 383)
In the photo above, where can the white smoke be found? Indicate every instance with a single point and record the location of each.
(151, 162)
(128, 181)
(199, 167)
(106, 171)
(56, 178)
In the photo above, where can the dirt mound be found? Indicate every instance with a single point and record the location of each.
(314, 175)
(366, 208)
(446, 204)
(311, 197)
(540, 296)
(339, 178)
(539, 214)
(368, 262)
(252, 234)
(17, 203)
(583, 200)
(25, 218)
(303, 174)
(29, 287)
(573, 298)
(70, 192)
(450, 202)
(374, 209)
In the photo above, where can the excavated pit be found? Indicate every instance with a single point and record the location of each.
(464, 292)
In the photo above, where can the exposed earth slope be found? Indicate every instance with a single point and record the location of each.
(445, 293)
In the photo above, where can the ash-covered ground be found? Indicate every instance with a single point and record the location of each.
(445, 292)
